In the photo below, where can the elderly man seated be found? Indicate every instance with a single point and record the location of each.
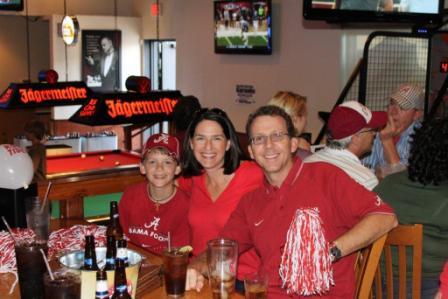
(351, 130)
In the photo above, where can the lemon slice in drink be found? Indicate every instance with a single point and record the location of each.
(186, 249)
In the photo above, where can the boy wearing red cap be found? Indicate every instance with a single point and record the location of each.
(151, 210)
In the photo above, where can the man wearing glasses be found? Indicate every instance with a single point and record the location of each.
(305, 221)
(351, 131)
(390, 151)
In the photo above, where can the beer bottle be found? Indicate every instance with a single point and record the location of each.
(114, 227)
(122, 251)
(101, 290)
(120, 282)
(111, 253)
(89, 254)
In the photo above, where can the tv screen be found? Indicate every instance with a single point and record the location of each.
(243, 27)
(11, 4)
(399, 11)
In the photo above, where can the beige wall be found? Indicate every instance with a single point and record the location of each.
(305, 59)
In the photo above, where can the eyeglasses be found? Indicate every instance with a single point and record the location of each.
(262, 139)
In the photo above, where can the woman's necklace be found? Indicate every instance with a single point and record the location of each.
(160, 201)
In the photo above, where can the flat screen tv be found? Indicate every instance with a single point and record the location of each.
(11, 4)
(395, 11)
(243, 27)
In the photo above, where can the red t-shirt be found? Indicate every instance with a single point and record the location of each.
(207, 218)
(147, 227)
(263, 217)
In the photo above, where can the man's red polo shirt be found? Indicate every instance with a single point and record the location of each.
(264, 215)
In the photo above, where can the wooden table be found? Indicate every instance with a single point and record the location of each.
(75, 176)
(6, 280)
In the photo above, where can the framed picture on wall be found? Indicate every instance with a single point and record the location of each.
(101, 52)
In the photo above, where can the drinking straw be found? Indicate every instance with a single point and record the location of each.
(45, 197)
(47, 264)
(169, 242)
(9, 229)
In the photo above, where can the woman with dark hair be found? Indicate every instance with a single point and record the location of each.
(216, 179)
(420, 195)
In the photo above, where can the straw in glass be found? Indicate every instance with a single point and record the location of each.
(47, 264)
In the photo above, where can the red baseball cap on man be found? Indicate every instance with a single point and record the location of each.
(165, 141)
(351, 117)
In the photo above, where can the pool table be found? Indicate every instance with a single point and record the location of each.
(75, 176)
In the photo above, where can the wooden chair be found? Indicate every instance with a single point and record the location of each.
(366, 266)
(402, 237)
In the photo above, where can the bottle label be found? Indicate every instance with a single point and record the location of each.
(110, 261)
(101, 289)
(121, 288)
(122, 253)
(88, 262)
(115, 216)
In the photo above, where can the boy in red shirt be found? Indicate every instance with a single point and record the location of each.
(152, 209)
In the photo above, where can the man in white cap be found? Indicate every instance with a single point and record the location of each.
(391, 146)
(351, 130)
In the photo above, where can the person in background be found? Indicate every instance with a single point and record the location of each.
(35, 132)
(420, 195)
(295, 105)
(216, 180)
(443, 291)
(152, 209)
(390, 152)
(351, 130)
(305, 221)
(183, 113)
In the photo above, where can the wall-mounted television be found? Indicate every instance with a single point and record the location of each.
(11, 4)
(395, 11)
(243, 27)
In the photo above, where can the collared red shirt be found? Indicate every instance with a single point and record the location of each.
(263, 217)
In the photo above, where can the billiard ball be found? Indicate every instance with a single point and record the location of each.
(101, 158)
(83, 156)
(117, 163)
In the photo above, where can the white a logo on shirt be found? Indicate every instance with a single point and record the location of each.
(154, 223)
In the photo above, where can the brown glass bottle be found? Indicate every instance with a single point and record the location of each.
(89, 254)
(120, 282)
(114, 227)
(101, 291)
(111, 253)
(122, 251)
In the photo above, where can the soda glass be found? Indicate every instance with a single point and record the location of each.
(256, 286)
(175, 265)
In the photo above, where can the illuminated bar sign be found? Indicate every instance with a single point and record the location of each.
(127, 108)
(36, 95)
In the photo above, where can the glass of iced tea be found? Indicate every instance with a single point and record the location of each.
(222, 257)
(256, 286)
(175, 269)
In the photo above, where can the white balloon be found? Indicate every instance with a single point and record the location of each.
(16, 167)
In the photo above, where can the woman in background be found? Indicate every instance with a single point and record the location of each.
(216, 180)
(420, 195)
(295, 105)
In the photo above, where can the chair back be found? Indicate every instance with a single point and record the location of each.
(366, 266)
(402, 237)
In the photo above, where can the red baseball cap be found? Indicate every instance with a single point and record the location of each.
(165, 141)
(351, 117)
